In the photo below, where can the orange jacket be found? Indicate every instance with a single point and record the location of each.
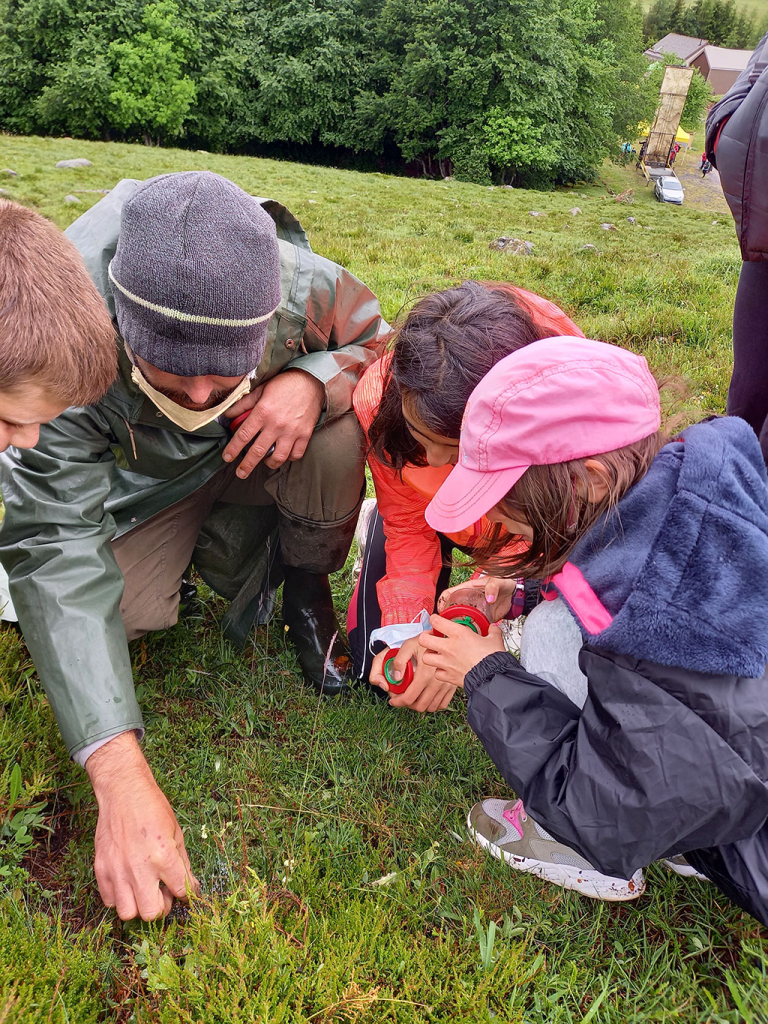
(412, 546)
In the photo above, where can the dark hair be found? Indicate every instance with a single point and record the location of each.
(552, 500)
(447, 344)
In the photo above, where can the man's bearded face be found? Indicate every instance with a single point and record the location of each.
(195, 393)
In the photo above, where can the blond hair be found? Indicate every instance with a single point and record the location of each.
(55, 330)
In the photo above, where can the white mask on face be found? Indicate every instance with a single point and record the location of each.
(187, 419)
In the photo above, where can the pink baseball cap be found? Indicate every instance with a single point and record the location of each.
(552, 401)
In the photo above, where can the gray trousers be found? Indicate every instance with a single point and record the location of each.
(550, 646)
(233, 529)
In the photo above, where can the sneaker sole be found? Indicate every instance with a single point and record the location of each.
(593, 884)
(684, 870)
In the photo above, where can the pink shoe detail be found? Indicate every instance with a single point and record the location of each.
(515, 815)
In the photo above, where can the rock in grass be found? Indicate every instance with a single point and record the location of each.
(9, 173)
(574, 211)
(517, 246)
(589, 247)
(4, 192)
(608, 227)
(536, 213)
(71, 200)
(79, 161)
(631, 220)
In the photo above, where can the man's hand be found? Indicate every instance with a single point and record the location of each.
(284, 413)
(458, 651)
(497, 591)
(140, 862)
(425, 693)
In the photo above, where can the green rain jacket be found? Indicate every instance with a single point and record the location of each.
(101, 470)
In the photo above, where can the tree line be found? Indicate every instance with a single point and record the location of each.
(721, 22)
(525, 92)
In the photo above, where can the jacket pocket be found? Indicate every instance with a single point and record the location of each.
(284, 337)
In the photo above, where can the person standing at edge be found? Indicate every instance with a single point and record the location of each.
(737, 145)
(217, 297)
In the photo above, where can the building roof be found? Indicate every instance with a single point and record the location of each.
(721, 59)
(685, 47)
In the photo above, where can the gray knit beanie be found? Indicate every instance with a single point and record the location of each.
(196, 275)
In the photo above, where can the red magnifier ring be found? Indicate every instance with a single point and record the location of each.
(235, 423)
(393, 684)
(468, 616)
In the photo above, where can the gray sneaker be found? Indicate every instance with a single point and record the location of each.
(504, 829)
(680, 866)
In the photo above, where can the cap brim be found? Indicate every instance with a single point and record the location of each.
(467, 495)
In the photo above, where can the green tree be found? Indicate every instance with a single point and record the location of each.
(151, 95)
(523, 91)
(77, 99)
(621, 24)
(658, 21)
(304, 61)
(217, 66)
(722, 22)
(34, 35)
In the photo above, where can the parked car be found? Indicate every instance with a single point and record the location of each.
(669, 190)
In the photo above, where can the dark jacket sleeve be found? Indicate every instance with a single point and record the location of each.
(634, 776)
(738, 127)
(731, 101)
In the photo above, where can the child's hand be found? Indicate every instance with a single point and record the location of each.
(498, 593)
(425, 693)
(455, 654)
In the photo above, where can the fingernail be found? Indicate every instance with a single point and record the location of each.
(398, 675)
(227, 458)
(241, 474)
(490, 598)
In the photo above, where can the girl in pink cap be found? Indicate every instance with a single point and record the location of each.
(635, 724)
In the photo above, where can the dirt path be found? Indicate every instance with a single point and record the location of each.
(702, 192)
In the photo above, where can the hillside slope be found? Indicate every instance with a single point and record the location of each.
(339, 882)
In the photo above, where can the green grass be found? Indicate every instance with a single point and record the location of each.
(294, 810)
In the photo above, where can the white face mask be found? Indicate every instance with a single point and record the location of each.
(187, 419)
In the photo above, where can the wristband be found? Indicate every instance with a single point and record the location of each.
(518, 600)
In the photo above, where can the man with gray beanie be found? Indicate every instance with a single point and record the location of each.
(227, 319)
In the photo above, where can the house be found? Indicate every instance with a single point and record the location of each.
(685, 47)
(721, 67)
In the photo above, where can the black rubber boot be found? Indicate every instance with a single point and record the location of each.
(189, 602)
(313, 629)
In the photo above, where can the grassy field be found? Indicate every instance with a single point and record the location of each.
(339, 881)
